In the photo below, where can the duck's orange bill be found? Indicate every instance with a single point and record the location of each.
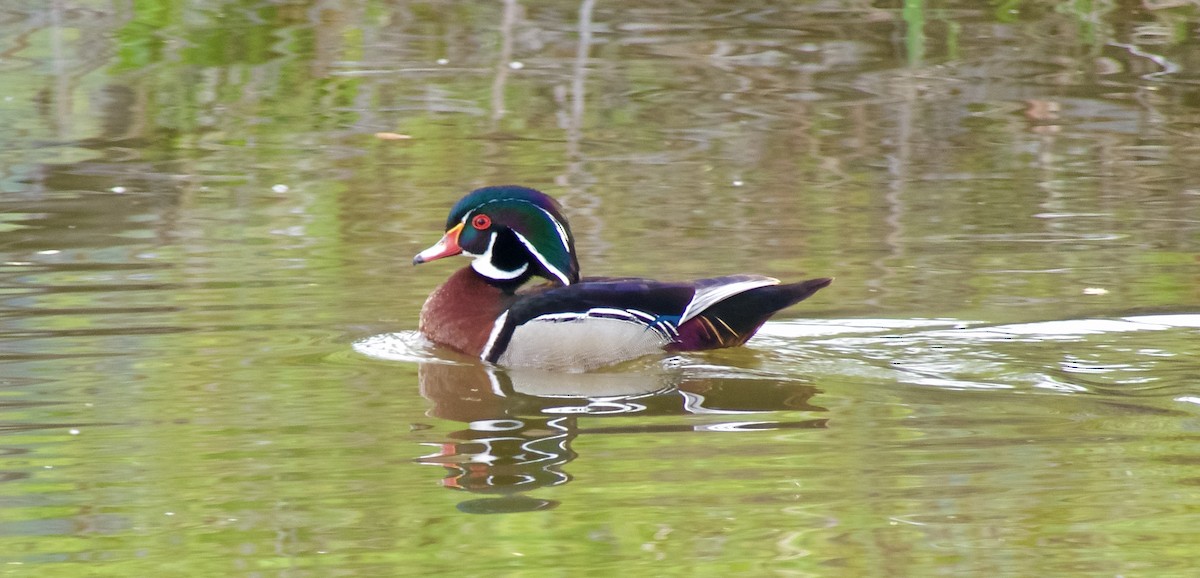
(446, 247)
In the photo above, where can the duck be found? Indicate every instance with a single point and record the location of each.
(522, 303)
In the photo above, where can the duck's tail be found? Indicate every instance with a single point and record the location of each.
(734, 320)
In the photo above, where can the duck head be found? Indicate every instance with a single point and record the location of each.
(512, 233)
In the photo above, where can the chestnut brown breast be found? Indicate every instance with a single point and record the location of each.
(461, 312)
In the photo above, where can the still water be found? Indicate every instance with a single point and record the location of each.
(208, 358)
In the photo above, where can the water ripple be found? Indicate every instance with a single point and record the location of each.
(968, 355)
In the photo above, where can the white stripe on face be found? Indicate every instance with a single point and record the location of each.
(542, 259)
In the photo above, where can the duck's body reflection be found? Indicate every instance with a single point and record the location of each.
(520, 424)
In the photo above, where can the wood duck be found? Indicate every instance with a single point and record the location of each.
(514, 234)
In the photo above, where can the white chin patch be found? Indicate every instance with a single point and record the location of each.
(482, 264)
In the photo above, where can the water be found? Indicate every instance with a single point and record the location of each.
(208, 357)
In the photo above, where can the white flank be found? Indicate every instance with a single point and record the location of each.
(709, 296)
(491, 342)
(578, 342)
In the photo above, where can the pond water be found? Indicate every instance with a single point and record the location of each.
(208, 357)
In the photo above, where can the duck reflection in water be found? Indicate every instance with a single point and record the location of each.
(520, 424)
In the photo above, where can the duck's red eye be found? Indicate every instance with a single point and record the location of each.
(481, 222)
